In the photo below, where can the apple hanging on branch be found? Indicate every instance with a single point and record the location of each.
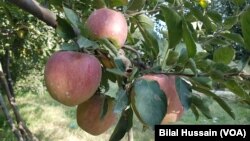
(89, 115)
(72, 77)
(175, 108)
(110, 24)
(156, 94)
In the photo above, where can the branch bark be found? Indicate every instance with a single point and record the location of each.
(21, 125)
(7, 70)
(33, 7)
(9, 119)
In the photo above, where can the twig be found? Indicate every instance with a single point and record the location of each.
(241, 74)
(143, 12)
(9, 119)
(139, 63)
(127, 47)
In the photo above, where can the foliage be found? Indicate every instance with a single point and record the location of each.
(22, 36)
(205, 46)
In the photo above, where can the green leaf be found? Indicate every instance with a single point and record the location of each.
(136, 5)
(215, 16)
(181, 48)
(113, 89)
(192, 65)
(172, 57)
(164, 56)
(105, 106)
(72, 17)
(174, 25)
(145, 21)
(122, 101)
(55, 2)
(188, 39)
(119, 64)
(116, 71)
(221, 102)
(86, 43)
(216, 75)
(184, 91)
(107, 80)
(69, 46)
(109, 46)
(203, 81)
(229, 22)
(236, 88)
(243, 62)
(233, 37)
(201, 17)
(221, 67)
(224, 55)
(216, 41)
(124, 125)
(98, 4)
(149, 102)
(195, 111)
(201, 104)
(64, 29)
(239, 2)
(146, 27)
(114, 3)
(245, 22)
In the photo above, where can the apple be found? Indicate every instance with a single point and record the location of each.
(72, 77)
(174, 106)
(107, 23)
(89, 115)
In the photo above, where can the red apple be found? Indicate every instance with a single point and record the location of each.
(167, 85)
(89, 115)
(107, 23)
(72, 77)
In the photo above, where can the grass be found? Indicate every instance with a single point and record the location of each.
(52, 121)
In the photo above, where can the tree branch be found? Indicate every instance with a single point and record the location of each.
(7, 71)
(9, 119)
(21, 125)
(241, 74)
(33, 7)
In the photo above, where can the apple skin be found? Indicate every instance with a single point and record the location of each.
(89, 115)
(72, 77)
(167, 85)
(106, 23)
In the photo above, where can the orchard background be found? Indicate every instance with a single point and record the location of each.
(205, 44)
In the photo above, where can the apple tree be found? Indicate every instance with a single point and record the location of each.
(153, 59)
